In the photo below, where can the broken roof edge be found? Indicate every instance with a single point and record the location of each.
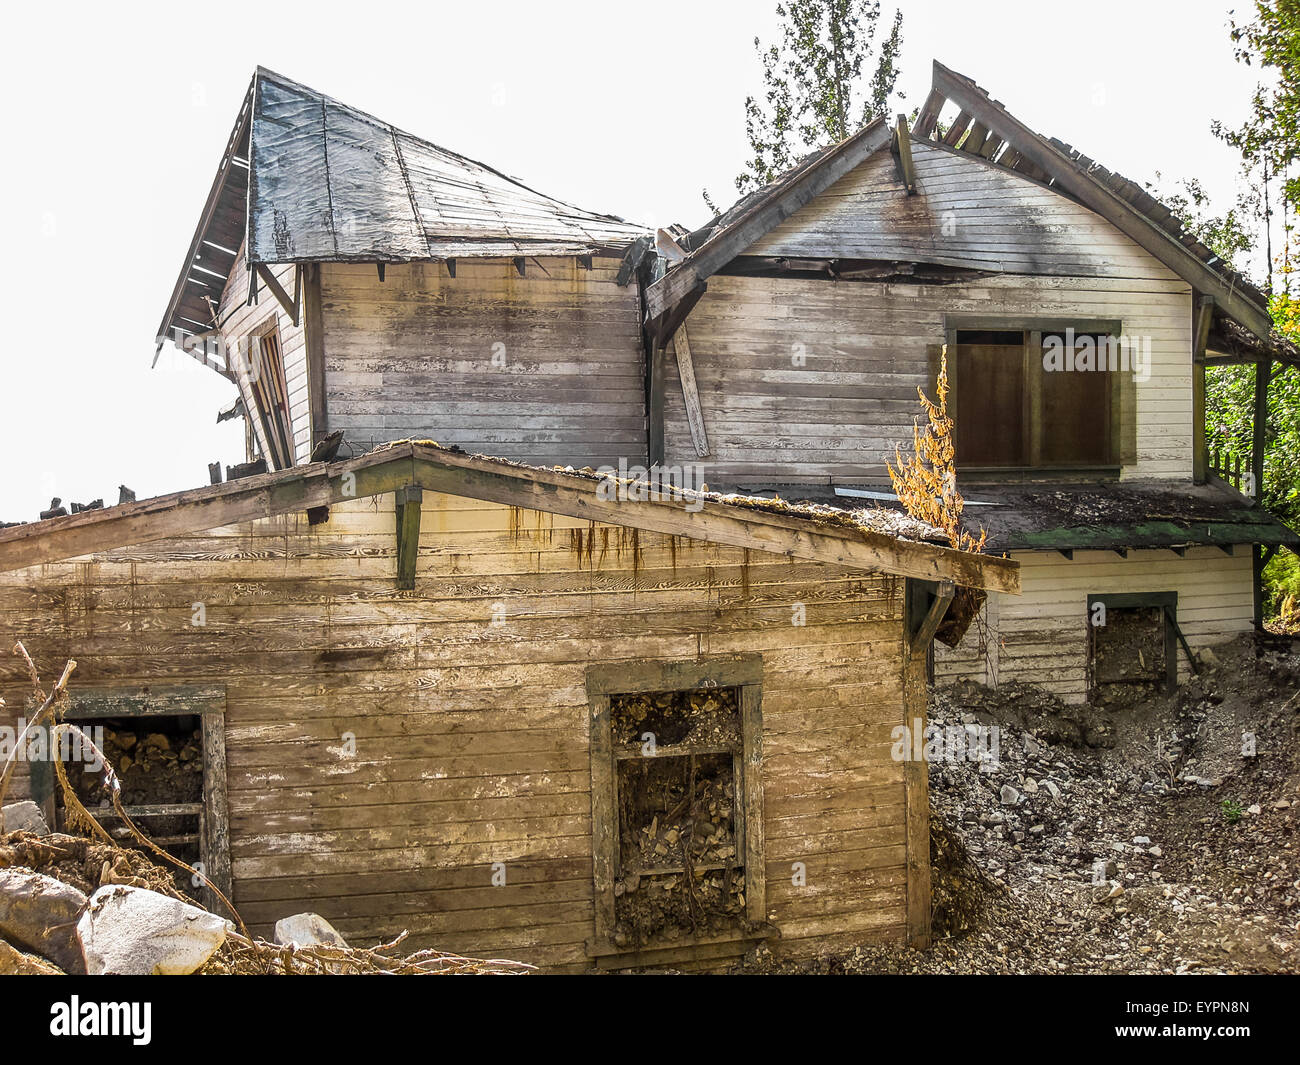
(725, 237)
(429, 466)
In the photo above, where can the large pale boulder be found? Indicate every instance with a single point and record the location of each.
(24, 816)
(40, 914)
(132, 931)
(307, 930)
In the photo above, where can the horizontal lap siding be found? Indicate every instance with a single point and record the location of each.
(841, 412)
(239, 319)
(1041, 637)
(471, 738)
(412, 356)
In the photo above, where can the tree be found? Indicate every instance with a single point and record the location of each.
(814, 90)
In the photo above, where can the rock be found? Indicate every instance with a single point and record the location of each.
(1052, 789)
(1253, 809)
(135, 932)
(1208, 658)
(39, 914)
(1142, 840)
(1008, 795)
(1031, 786)
(13, 962)
(24, 816)
(311, 929)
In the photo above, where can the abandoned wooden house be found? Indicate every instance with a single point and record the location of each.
(503, 709)
(483, 699)
(517, 710)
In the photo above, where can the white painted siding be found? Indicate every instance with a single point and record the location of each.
(240, 320)
(840, 413)
(1041, 636)
(967, 212)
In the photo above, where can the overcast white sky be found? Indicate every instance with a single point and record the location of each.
(118, 114)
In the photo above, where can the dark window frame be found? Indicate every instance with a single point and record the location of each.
(1121, 427)
(743, 672)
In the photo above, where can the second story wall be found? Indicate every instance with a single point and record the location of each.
(806, 379)
(546, 368)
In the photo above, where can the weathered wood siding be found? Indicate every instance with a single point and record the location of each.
(1041, 636)
(816, 380)
(239, 320)
(809, 379)
(472, 738)
(545, 368)
(967, 212)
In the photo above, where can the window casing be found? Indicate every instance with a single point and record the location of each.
(1015, 410)
(687, 737)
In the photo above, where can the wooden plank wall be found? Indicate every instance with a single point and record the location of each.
(239, 319)
(839, 412)
(1041, 636)
(967, 212)
(471, 738)
(413, 356)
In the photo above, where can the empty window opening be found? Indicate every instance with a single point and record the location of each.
(1132, 640)
(159, 762)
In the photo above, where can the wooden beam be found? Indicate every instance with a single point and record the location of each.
(690, 392)
(1093, 195)
(1259, 430)
(268, 278)
(408, 501)
(933, 618)
(763, 216)
(927, 119)
(656, 379)
(902, 148)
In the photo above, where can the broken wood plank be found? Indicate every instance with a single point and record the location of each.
(690, 391)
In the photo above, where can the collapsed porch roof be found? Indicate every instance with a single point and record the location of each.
(820, 535)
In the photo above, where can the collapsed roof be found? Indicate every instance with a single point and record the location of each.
(834, 536)
(305, 178)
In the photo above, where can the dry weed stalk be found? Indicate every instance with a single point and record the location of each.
(926, 481)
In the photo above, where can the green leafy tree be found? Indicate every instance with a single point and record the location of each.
(816, 91)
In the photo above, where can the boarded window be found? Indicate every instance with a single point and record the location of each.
(1016, 409)
(676, 807)
(270, 391)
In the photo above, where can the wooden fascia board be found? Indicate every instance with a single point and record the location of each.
(555, 492)
(763, 217)
(210, 207)
(1096, 197)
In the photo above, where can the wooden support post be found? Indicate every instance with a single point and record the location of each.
(1204, 313)
(690, 392)
(902, 147)
(916, 799)
(314, 338)
(655, 406)
(1259, 436)
(408, 534)
(933, 618)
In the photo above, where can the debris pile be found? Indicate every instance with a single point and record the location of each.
(73, 905)
(1149, 832)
